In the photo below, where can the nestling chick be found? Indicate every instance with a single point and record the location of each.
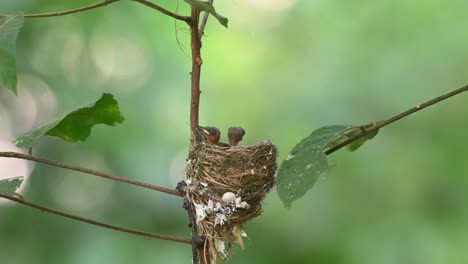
(211, 134)
(235, 134)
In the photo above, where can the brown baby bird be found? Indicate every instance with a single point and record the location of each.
(211, 134)
(235, 134)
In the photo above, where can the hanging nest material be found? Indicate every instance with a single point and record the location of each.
(226, 186)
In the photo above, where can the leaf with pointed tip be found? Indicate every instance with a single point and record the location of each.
(9, 28)
(305, 163)
(77, 125)
(208, 7)
(9, 186)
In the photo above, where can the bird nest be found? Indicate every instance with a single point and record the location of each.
(225, 186)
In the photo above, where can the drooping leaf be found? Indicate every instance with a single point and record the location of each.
(305, 163)
(9, 186)
(77, 125)
(351, 133)
(9, 28)
(208, 7)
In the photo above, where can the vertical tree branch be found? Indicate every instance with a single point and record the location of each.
(196, 68)
(197, 62)
(193, 225)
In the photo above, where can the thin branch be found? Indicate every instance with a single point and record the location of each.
(197, 62)
(92, 222)
(77, 10)
(89, 171)
(204, 21)
(381, 124)
(164, 11)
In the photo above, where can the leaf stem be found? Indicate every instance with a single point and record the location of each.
(92, 222)
(77, 10)
(404, 114)
(204, 21)
(89, 171)
(164, 11)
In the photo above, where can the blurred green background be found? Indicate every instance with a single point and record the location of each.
(281, 70)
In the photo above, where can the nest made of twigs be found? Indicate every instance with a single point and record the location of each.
(226, 186)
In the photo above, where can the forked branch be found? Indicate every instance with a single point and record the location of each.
(164, 11)
(92, 222)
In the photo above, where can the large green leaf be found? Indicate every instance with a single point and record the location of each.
(77, 125)
(9, 186)
(208, 7)
(305, 163)
(9, 27)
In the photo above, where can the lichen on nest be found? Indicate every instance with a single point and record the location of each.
(226, 186)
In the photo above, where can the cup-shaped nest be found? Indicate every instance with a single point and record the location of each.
(226, 186)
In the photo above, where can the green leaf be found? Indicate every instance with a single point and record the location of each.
(9, 186)
(9, 28)
(77, 125)
(358, 143)
(351, 133)
(208, 7)
(305, 163)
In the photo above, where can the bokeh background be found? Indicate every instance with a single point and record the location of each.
(281, 70)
